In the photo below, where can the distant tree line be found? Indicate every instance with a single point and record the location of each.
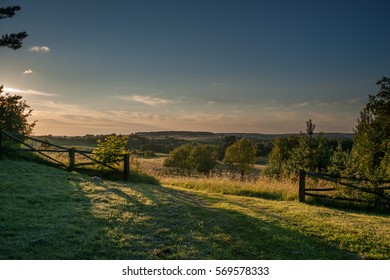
(202, 158)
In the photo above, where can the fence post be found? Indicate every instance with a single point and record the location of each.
(302, 185)
(126, 167)
(71, 158)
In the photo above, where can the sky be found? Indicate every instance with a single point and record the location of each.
(99, 67)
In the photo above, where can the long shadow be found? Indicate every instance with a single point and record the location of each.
(180, 227)
(44, 214)
(51, 215)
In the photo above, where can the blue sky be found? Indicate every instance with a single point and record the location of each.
(222, 66)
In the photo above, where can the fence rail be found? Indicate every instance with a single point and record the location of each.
(72, 152)
(344, 183)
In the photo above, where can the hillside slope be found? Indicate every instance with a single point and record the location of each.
(47, 213)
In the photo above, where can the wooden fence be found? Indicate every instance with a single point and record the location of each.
(52, 148)
(359, 185)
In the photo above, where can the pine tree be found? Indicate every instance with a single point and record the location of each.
(372, 135)
(14, 40)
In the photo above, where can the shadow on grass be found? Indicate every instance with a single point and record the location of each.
(44, 214)
(177, 226)
(50, 214)
(350, 207)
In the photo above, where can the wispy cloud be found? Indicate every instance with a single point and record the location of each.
(28, 72)
(27, 91)
(300, 105)
(151, 101)
(59, 118)
(43, 49)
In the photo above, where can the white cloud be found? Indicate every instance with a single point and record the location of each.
(27, 91)
(43, 49)
(151, 101)
(300, 105)
(28, 72)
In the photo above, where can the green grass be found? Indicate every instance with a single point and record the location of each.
(263, 187)
(46, 213)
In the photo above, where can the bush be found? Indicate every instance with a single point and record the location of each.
(110, 151)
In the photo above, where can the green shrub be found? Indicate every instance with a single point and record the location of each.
(110, 151)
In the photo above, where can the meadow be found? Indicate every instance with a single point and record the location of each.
(48, 213)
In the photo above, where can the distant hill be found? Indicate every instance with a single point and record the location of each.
(211, 135)
(175, 134)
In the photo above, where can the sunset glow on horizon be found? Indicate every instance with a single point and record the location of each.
(94, 67)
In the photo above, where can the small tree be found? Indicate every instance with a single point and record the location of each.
(180, 159)
(226, 141)
(279, 157)
(204, 158)
(308, 152)
(311, 154)
(240, 156)
(339, 160)
(110, 151)
(14, 113)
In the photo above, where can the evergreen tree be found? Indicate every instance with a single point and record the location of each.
(14, 40)
(339, 160)
(311, 154)
(279, 158)
(372, 135)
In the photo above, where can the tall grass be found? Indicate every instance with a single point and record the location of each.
(263, 187)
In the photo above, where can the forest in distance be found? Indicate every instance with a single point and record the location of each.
(166, 141)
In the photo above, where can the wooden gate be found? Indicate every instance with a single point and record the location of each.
(378, 189)
(72, 153)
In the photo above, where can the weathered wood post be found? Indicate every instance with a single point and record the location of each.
(126, 167)
(302, 185)
(71, 158)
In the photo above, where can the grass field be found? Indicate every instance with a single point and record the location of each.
(46, 213)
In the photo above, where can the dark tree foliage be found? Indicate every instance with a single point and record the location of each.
(372, 135)
(14, 113)
(307, 152)
(226, 142)
(187, 157)
(180, 159)
(204, 158)
(310, 128)
(14, 40)
(241, 156)
(279, 159)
